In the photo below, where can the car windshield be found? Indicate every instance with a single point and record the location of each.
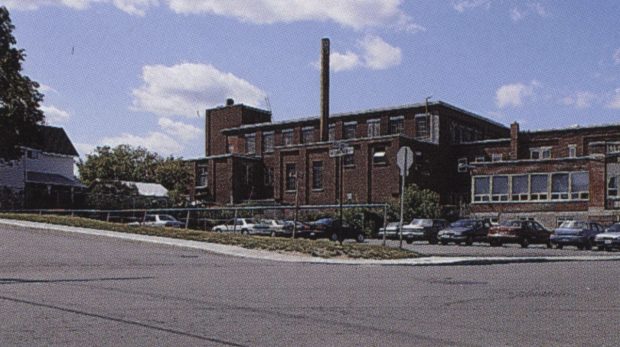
(510, 223)
(324, 221)
(614, 228)
(571, 224)
(463, 223)
(422, 222)
(250, 220)
(166, 218)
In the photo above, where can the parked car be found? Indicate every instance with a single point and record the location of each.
(523, 232)
(423, 229)
(275, 226)
(330, 228)
(158, 220)
(390, 231)
(608, 240)
(244, 226)
(301, 229)
(576, 233)
(465, 230)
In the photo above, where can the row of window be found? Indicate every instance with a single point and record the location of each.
(308, 134)
(531, 187)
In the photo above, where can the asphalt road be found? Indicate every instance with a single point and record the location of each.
(70, 289)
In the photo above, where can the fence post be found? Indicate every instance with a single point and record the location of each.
(235, 222)
(187, 219)
(384, 222)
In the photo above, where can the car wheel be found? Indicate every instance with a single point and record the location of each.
(549, 245)
(244, 232)
(334, 237)
(588, 245)
(469, 241)
(525, 242)
(360, 238)
(559, 246)
(458, 243)
(409, 242)
(444, 242)
(580, 247)
(600, 248)
(433, 240)
(493, 243)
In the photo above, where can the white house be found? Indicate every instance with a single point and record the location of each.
(43, 177)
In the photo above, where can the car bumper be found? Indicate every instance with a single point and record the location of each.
(452, 237)
(607, 243)
(503, 238)
(567, 240)
(414, 236)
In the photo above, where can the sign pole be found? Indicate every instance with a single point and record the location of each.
(402, 202)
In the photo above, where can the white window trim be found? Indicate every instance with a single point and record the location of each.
(461, 166)
(495, 157)
(581, 195)
(572, 151)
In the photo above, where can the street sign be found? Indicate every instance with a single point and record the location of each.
(404, 160)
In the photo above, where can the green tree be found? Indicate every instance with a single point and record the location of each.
(418, 203)
(127, 163)
(19, 98)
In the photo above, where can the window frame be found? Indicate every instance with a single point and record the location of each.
(346, 129)
(250, 149)
(379, 156)
(287, 134)
(396, 125)
(308, 134)
(268, 146)
(290, 177)
(317, 175)
(374, 127)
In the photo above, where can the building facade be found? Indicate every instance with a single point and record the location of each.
(43, 177)
(248, 157)
(548, 175)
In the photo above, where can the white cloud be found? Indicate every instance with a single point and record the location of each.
(343, 62)
(356, 14)
(44, 88)
(514, 94)
(463, 5)
(183, 131)
(516, 14)
(84, 148)
(134, 7)
(614, 101)
(379, 55)
(185, 88)
(616, 56)
(154, 141)
(579, 99)
(54, 115)
(374, 54)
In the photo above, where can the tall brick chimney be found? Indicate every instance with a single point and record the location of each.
(514, 141)
(324, 90)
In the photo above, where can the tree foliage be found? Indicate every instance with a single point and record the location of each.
(127, 163)
(418, 203)
(19, 98)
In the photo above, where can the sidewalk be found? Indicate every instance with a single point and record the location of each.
(272, 256)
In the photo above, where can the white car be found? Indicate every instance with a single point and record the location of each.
(244, 226)
(275, 226)
(159, 220)
(609, 239)
(390, 230)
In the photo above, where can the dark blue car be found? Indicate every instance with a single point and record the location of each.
(576, 233)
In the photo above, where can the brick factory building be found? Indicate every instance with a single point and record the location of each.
(482, 167)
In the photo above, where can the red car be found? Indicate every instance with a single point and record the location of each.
(523, 232)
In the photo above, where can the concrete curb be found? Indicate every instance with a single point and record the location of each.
(266, 255)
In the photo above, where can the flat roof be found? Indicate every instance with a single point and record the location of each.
(363, 112)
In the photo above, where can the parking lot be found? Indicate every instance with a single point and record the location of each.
(483, 249)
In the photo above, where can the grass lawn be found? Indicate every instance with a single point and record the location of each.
(316, 248)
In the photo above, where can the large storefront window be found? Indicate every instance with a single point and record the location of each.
(481, 188)
(537, 187)
(520, 187)
(500, 188)
(559, 186)
(580, 185)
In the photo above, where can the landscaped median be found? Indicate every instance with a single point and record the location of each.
(315, 248)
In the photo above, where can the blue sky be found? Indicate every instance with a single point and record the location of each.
(143, 71)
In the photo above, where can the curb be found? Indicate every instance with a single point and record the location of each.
(237, 251)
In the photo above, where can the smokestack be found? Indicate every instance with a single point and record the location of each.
(324, 89)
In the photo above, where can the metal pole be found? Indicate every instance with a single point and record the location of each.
(187, 219)
(296, 204)
(402, 201)
(235, 222)
(341, 237)
(384, 222)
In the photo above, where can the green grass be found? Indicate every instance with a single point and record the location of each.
(316, 248)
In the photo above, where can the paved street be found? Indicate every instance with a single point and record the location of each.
(71, 289)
